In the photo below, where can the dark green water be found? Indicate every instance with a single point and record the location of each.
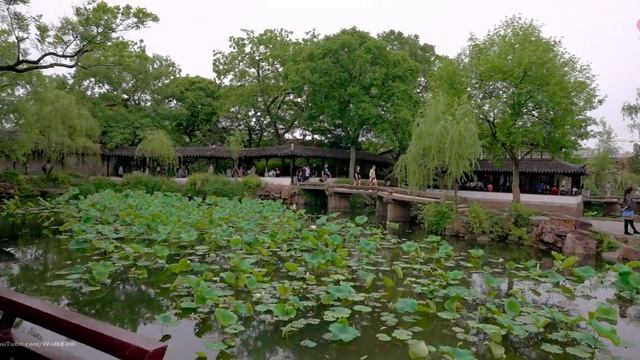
(31, 258)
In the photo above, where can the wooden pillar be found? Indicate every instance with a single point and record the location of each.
(291, 168)
(108, 164)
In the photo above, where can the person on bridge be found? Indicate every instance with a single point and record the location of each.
(627, 212)
(356, 176)
(372, 176)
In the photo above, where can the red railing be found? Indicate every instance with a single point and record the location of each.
(112, 340)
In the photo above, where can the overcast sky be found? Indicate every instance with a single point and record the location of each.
(601, 33)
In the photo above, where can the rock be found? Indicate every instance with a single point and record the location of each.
(8, 191)
(550, 237)
(563, 222)
(579, 243)
(483, 239)
(630, 253)
(456, 228)
(612, 256)
(537, 220)
(583, 224)
(633, 313)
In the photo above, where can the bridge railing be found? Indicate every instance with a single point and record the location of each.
(112, 340)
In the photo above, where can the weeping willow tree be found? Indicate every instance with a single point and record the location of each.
(444, 143)
(51, 122)
(157, 145)
(235, 143)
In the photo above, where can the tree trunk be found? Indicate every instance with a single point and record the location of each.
(352, 161)
(455, 201)
(515, 181)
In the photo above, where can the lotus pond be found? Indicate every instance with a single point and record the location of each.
(254, 280)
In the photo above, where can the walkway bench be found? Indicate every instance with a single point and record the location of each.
(112, 340)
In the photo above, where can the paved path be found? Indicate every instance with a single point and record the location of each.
(613, 227)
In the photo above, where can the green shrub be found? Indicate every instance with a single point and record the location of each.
(59, 178)
(97, 185)
(520, 216)
(478, 220)
(10, 176)
(150, 184)
(605, 241)
(436, 216)
(251, 184)
(204, 185)
(358, 204)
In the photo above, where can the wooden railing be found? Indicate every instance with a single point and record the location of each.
(112, 340)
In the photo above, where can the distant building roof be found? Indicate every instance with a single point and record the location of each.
(289, 150)
(533, 166)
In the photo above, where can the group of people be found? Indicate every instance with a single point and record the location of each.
(373, 180)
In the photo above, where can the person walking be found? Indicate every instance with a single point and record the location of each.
(372, 176)
(356, 176)
(627, 212)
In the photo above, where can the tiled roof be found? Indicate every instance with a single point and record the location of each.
(289, 150)
(533, 166)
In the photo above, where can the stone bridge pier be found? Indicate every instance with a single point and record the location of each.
(392, 211)
(338, 202)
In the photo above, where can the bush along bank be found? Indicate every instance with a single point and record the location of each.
(566, 234)
(25, 188)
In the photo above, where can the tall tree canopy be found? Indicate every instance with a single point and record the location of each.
(27, 43)
(190, 106)
(528, 93)
(51, 121)
(121, 88)
(257, 94)
(631, 113)
(353, 86)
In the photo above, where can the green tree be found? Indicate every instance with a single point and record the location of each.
(120, 89)
(235, 143)
(601, 166)
(55, 124)
(634, 164)
(257, 93)
(396, 130)
(157, 145)
(631, 113)
(528, 93)
(353, 86)
(190, 106)
(444, 142)
(27, 43)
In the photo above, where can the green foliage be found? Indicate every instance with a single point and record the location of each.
(251, 184)
(436, 216)
(528, 92)
(631, 112)
(259, 93)
(97, 185)
(358, 204)
(150, 184)
(478, 219)
(206, 184)
(122, 106)
(435, 149)
(158, 146)
(27, 43)
(357, 85)
(520, 216)
(55, 124)
(190, 107)
(250, 260)
(605, 241)
(10, 176)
